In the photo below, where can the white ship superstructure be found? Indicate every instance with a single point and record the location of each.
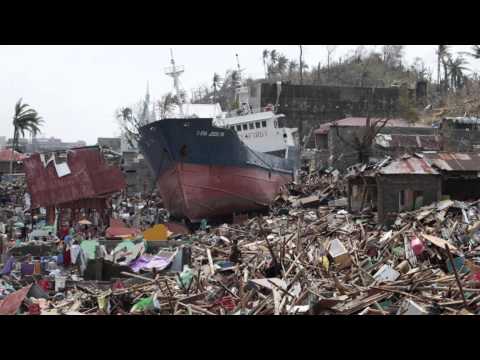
(261, 130)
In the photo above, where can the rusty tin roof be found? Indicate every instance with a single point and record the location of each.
(454, 161)
(90, 177)
(409, 165)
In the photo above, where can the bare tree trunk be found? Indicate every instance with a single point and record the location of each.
(439, 80)
(13, 150)
(445, 73)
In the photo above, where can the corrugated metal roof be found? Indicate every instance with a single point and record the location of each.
(90, 177)
(454, 161)
(6, 155)
(362, 121)
(409, 165)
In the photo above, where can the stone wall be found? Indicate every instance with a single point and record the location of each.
(389, 186)
(316, 105)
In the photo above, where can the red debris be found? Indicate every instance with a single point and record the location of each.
(90, 177)
(13, 301)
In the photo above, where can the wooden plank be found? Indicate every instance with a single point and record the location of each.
(439, 242)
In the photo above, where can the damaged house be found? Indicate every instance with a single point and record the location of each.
(76, 179)
(337, 142)
(461, 134)
(411, 182)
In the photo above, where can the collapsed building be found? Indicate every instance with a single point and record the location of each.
(460, 133)
(413, 181)
(75, 179)
(336, 141)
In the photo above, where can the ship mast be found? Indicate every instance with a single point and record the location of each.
(175, 72)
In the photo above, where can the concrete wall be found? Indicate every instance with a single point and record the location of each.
(138, 175)
(389, 186)
(319, 104)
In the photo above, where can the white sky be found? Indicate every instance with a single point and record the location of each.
(77, 89)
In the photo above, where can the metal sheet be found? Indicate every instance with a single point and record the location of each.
(455, 161)
(12, 302)
(90, 178)
(6, 155)
(411, 165)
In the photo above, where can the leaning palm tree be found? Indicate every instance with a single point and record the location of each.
(475, 53)
(25, 119)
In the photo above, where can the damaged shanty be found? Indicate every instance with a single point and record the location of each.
(348, 141)
(411, 182)
(75, 179)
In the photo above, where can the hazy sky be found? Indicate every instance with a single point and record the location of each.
(77, 89)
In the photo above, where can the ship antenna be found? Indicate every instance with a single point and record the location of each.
(175, 72)
(240, 70)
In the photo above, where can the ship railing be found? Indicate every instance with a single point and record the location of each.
(240, 112)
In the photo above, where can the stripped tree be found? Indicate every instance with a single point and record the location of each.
(361, 141)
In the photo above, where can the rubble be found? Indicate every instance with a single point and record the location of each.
(304, 257)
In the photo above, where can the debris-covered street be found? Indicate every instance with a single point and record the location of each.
(309, 191)
(307, 256)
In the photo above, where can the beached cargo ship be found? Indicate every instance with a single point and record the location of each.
(204, 171)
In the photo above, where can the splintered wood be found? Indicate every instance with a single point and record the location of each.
(308, 256)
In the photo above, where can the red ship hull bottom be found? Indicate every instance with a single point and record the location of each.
(201, 191)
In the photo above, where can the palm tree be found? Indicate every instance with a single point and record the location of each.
(475, 52)
(265, 57)
(282, 63)
(271, 68)
(125, 113)
(442, 55)
(25, 119)
(456, 69)
(273, 56)
(292, 67)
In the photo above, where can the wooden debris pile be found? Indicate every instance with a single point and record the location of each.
(306, 257)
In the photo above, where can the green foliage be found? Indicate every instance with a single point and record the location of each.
(25, 119)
